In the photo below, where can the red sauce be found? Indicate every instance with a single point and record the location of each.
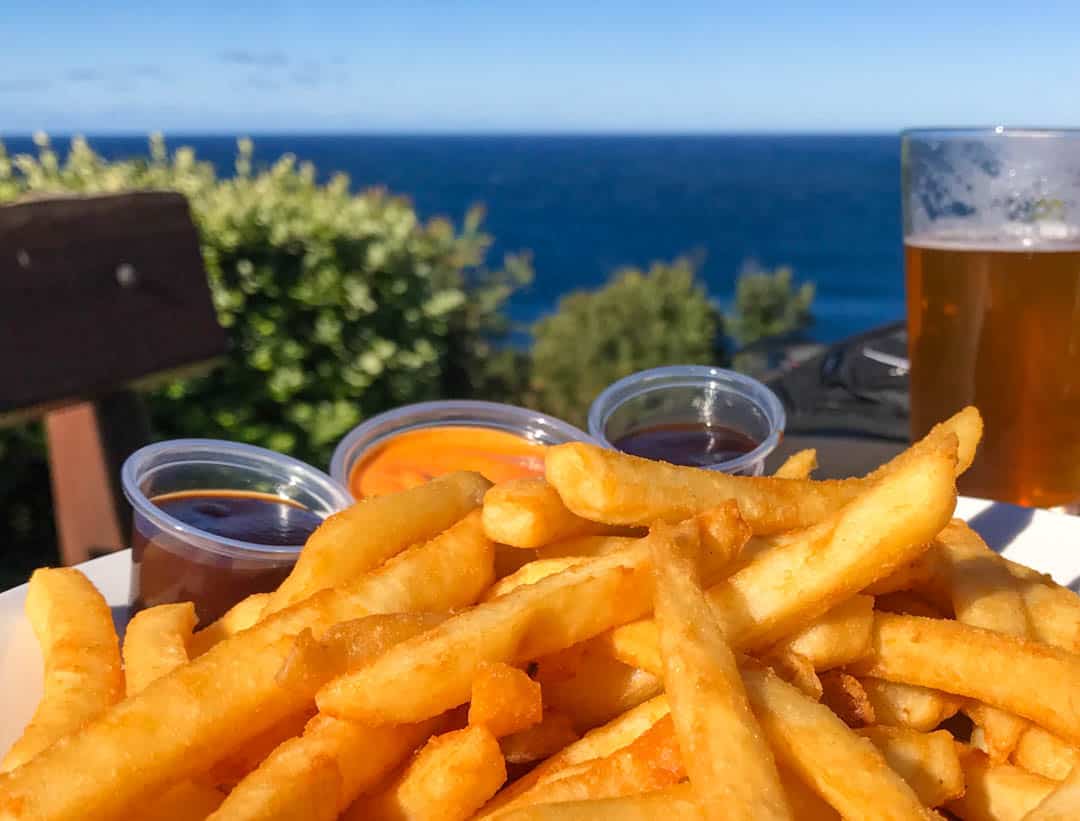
(693, 444)
(165, 571)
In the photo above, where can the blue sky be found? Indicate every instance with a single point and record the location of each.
(448, 66)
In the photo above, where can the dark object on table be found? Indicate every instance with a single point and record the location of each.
(850, 401)
(97, 294)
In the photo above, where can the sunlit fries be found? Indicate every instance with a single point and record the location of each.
(529, 513)
(731, 768)
(155, 643)
(754, 648)
(1015, 675)
(798, 466)
(231, 693)
(616, 488)
(363, 536)
(74, 627)
(786, 586)
(449, 780)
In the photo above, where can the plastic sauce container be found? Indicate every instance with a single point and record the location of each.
(215, 521)
(409, 445)
(691, 415)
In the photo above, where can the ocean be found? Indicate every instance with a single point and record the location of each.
(828, 206)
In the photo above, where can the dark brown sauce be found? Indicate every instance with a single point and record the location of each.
(693, 444)
(165, 572)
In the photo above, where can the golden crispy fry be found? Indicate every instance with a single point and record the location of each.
(998, 792)
(185, 802)
(1045, 754)
(929, 762)
(730, 766)
(365, 535)
(798, 466)
(844, 695)
(620, 732)
(984, 594)
(786, 587)
(83, 678)
(242, 615)
(155, 643)
(233, 768)
(1053, 610)
(1060, 805)
(1019, 676)
(325, 768)
(908, 603)
(527, 623)
(723, 533)
(906, 705)
(529, 513)
(504, 699)
(231, 694)
(672, 804)
(449, 780)
(585, 547)
(650, 762)
(591, 687)
(806, 805)
(839, 637)
(818, 747)
(511, 559)
(607, 486)
(530, 573)
(554, 732)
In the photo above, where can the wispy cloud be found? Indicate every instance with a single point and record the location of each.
(84, 75)
(15, 85)
(259, 59)
(261, 82)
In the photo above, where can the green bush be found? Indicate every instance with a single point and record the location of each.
(768, 304)
(639, 320)
(337, 305)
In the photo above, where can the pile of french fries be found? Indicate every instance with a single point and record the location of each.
(624, 639)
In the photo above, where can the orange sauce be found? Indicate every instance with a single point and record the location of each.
(412, 458)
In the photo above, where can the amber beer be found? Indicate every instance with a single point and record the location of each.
(997, 325)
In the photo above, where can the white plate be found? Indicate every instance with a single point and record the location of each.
(1048, 542)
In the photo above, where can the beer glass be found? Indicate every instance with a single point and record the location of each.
(992, 259)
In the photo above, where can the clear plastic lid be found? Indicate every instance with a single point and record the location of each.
(692, 395)
(529, 424)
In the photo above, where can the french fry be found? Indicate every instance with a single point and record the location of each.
(1045, 754)
(817, 746)
(730, 766)
(806, 805)
(325, 769)
(620, 732)
(530, 573)
(595, 687)
(839, 637)
(797, 670)
(504, 699)
(155, 643)
(800, 465)
(929, 762)
(844, 695)
(909, 603)
(554, 732)
(998, 792)
(650, 762)
(449, 780)
(1060, 805)
(673, 804)
(188, 801)
(529, 622)
(362, 537)
(906, 705)
(81, 654)
(607, 486)
(229, 771)
(984, 594)
(511, 559)
(786, 587)
(585, 547)
(231, 693)
(1054, 611)
(242, 615)
(529, 513)
(1015, 675)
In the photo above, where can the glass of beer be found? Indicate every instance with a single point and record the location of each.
(992, 258)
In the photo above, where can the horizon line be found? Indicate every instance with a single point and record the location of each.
(253, 134)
